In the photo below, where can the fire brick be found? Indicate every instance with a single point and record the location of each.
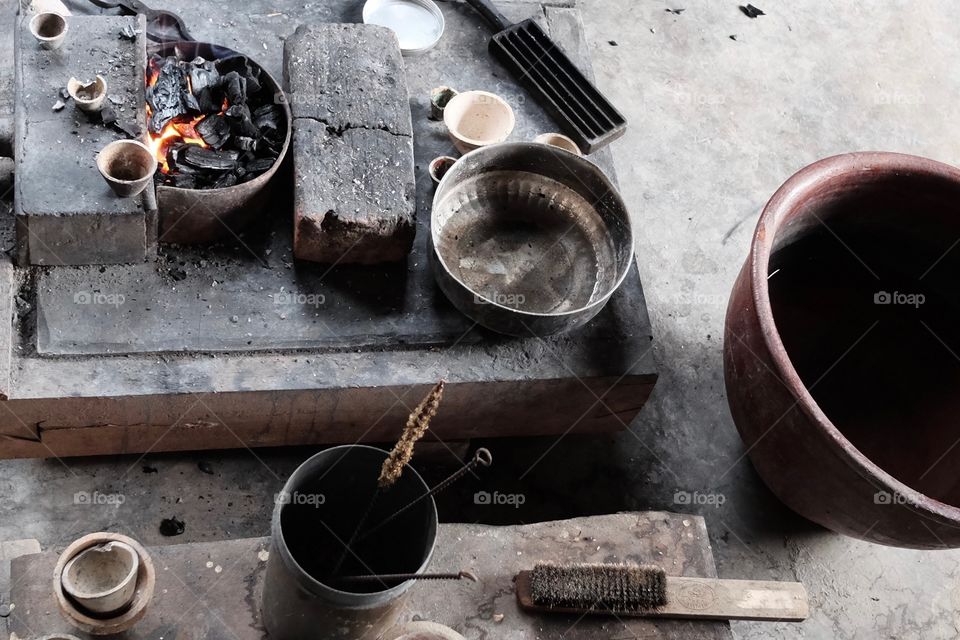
(354, 185)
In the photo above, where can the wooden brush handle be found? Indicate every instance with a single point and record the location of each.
(705, 599)
(734, 600)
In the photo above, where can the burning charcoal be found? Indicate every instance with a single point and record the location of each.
(215, 130)
(210, 159)
(175, 159)
(234, 86)
(168, 96)
(205, 86)
(238, 116)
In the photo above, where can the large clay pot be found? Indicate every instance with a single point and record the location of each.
(842, 348)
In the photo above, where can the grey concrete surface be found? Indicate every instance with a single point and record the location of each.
(716, 126)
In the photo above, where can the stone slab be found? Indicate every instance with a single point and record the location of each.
(85, 223)
(354, 186)
(213, 590)
(143, 308)
(135, 399)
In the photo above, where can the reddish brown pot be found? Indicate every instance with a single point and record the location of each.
(848, 406)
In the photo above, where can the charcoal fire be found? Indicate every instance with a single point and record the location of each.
(211, 123)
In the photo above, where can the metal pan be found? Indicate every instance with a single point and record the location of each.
(419, 24)
(527, 239)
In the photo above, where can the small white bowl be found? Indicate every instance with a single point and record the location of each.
(559, 141)
(50, 29)
(440, 166)
(89, 97)
(103, 578)
(476, 119)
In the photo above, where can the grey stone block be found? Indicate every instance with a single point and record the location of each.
(66, 213)
(354, 184)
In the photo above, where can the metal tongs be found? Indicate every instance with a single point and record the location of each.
(162, 26)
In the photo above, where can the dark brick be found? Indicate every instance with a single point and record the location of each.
(354, 190)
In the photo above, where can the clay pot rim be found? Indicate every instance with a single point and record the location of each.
(76, 594)
(102, 157)
(499, 100)
(48, 15)
(789, 197)
(146, 582)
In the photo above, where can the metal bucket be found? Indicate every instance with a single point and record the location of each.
(197, 216)
(316, 513)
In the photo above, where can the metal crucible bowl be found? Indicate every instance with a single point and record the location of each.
(527, 239)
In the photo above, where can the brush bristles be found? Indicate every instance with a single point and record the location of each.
(617, 587)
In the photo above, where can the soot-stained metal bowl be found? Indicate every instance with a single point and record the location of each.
(527, 239)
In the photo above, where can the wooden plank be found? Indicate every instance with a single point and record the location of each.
(67, 427)
(212, 590)
(7, 303)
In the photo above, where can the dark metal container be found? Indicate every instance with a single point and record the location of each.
(528, 239)
(841, 343)
(298, 606)
(196, 216)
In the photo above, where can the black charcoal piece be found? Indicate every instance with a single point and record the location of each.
(751, 11)
(214, 130)
(226, 180)
(209, 159)
(234, 87)
(267, 119)
(108, 115)
(259, 165)
(240, 123)
(242, 66)
(244, 143)
(169, 95)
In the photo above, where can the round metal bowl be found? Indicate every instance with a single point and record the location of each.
(527, 239)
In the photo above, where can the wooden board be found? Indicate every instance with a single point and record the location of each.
(211, 591)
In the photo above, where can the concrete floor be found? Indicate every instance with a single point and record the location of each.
(716, 126)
